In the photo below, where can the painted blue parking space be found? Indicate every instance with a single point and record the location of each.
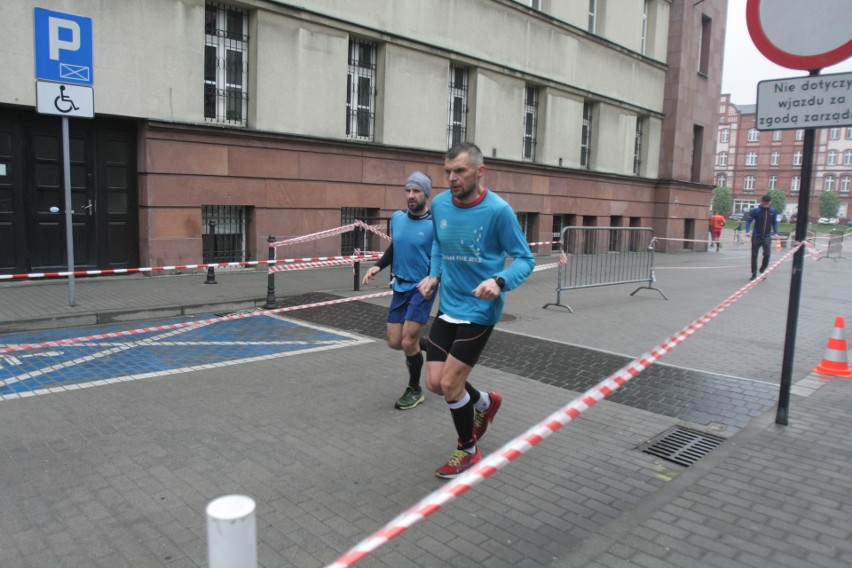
(164, 350)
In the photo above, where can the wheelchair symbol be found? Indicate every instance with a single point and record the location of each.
(67, 104)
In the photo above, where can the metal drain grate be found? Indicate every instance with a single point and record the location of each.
(682, 445)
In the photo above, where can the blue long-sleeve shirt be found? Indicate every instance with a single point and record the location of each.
(765, 222)
(409, 251)
(471, 245)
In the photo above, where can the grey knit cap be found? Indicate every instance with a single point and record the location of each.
(421, 181)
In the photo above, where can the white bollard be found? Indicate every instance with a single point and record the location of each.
(231, 532)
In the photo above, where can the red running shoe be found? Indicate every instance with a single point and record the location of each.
(459, 462)
(482, 420)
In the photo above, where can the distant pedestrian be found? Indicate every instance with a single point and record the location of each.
(738, 232)
(717, 221)
(765, 219)
(408, 255)
(475, 232)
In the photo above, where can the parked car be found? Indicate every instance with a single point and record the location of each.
(849, 223)
(827, 221)
(737, 216)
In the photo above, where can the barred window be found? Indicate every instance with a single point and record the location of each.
(530, 122)
(637, 146)
(357, 239)
(225, 64)
(360, 90)
(227, 241)
(586, 136)
(457, 107)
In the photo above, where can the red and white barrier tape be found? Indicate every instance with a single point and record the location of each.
(322, 262)
(330, 233)
(514, 449)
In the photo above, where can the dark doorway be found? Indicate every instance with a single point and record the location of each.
(32, 204)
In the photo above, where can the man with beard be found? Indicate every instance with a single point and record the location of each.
(408, 256)
(475, 231)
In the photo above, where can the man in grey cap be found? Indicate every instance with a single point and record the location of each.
(408, 255)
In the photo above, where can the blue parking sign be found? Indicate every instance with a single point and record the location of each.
(63, 47)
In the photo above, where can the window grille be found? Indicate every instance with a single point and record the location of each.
(349, 241)
(637, 146)
(229, 233)
(530, 122)
(586, 136)
(360, 90)
(526, 221)
(457, 107)
(225, 64)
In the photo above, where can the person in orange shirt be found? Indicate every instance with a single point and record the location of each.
(717, 221)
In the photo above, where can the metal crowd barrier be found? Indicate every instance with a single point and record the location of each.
(835, 246)
(605, 256)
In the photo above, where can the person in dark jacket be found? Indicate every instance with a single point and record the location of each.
(765, 219)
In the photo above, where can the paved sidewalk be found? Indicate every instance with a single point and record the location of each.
(119, 475)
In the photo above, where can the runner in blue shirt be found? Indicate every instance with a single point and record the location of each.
(408, 256)
(475, 232)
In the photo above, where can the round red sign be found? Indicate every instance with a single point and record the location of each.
(801, 35)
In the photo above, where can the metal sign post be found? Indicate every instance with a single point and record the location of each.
(806, 36)
(63, 64)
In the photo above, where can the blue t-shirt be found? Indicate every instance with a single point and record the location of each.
(412, 244)
(471, 245)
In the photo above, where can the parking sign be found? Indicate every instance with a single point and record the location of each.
(63, 47)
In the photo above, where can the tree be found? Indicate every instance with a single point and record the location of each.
(779, 200)
(722, 201)
(829, 204)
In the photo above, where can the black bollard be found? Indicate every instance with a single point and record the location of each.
(211, 235)
(270, 278)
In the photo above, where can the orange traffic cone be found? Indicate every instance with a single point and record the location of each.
(778, 244)
(835, 362)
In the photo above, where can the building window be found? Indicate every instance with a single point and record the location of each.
(637, 146)
(228, 236)
(834, 134)
(847, 157)
(800, 135)
(748, 183)
(831, 158)
(723, 158)
(828, 183)
(753, 135)
(725, 135)
(704, 54)
(530, 121)
(849, 133)
(776, 135)
(593, 16)
(794, 183)
(697, 151)
(774, 158)
(586, 136)
(534, 4)
(352, 240)
(457, 123)
(360, 92)
(644, 48)
(797, 158)
(845, 182)
(527, 223)
(225, 64)
(721, 180)
(773, 182)
(751, 159)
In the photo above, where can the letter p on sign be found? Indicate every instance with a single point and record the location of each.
(63, 47)
(55, 37)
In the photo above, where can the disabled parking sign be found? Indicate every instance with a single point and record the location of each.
(63, 47)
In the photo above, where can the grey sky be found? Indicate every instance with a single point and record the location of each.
(745, 66)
